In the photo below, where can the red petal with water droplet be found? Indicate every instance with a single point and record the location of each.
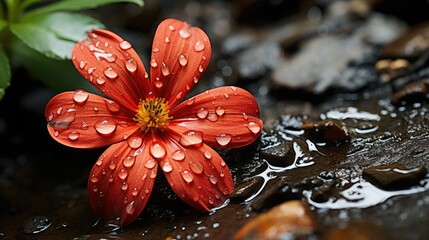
(112, 66)
(87, 122)
(201, 178)
(118, 188)
(232, 119)
(180, 55)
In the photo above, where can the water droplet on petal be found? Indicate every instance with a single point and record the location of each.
(245, 117)
(196, 198)
(171, 27)
(199, 46)
(222, 163)
(82, 64)
(129, 161)
(220, 110)
(123, 174)
(226, 95)
(212, 117)
(110, 73)
(150, 163)
(130, 208)
(167, 167)
(178, 155)
(195, 80)
(207, 154)
(80, 96)
(112, 105)
(164, 69)
(112, 165)
(190, 101)
(184, 33)
(196, 167)
(105, 127)
(234, 88)
(157, 150)
(202, 113)
(155, 49)
(100, 80)
(253, 127)
(153, 63)
(135, 192)
(200, 69)
(73, 135)
(191, 138)
(135, 142)
(94, 179)
(183, 60)
(167, 40)
(179, 96)
(213, 179)
(124, 186)
(131, 65)
(158, 83)
(223, 139)
(91, 70)
(187, 176)
(125, 45)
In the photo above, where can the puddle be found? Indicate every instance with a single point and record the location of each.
(362, 194)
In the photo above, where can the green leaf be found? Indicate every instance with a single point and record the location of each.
(5, 73)
(54, 35)
(3, 24)
(58, 75)
(74, 5)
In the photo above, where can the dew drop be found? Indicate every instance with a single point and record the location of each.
(152, 174)
(124, 186)
(131, 65)
(178, 155)
(199, 46)
(245, 117)
(50, 117)
(129, 161)
(99, 162)
(153, 63)
(112, 105)
(167, 167)
(223, 139)
(80, 96)
(183, 60)
(195, 80)
(59, 110)
(157, 150)
(158, 83)
(130, 208)
(73, 135)
(253, 127)
(100, 80)
(150, 163)
(196, 167)
(190, 101)
(179, 96)
(123, 174)
(96, 109)
(200, 69)
(202, 113)
(213, 179)
(112, 165)
(211, 200)
(196, 198)
(207, 154)
(91, 70)
(222, 163)
(82, 64)
(191, 138)
(220, 110)
(171, 27)
(187, 176)
(135, 192)
(94, 179)
(135, 142)
(184, 33)
(234, 88)
(105, 127)
(125, 45)
(110, 73)
(226, 95)
(155, 49)
(164, 69)
(94, 188)
(212, 117)
(167, 40)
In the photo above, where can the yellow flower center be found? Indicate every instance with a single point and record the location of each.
(152, 113)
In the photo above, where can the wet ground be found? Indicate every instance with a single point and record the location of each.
(343, 90)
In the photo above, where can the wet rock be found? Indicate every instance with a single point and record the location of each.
(326, 131)
(280, 154)
(291, 219)
(327, 62)
(412, 92)
(355, 231)
(256, 61)
(394, 176)
(246, 189)
(237, 42)
(275, 192)
(382, 29)
(36, 224)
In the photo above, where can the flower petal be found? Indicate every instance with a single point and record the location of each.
(180, 55)
(197, 174)
(225, 117)
(85, 120)
(112, 66)
(121, 182)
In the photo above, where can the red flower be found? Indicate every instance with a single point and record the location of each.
(146, 126)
